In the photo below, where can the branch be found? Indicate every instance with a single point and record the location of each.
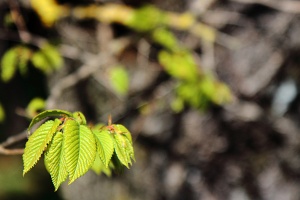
(288, 6)
(10, 141)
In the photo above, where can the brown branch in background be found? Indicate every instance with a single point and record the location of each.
(4, 150)
(19, 21)
(288, 6)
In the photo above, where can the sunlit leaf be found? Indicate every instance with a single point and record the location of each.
(49, 113)
(55, 161)
(37, 143)
(49, 10)
(80, 149)
(105, 145)
(79, 117)
(120, 129)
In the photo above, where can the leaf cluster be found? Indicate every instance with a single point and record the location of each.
(71, 148)
(46, 59)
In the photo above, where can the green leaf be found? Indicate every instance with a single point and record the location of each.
(24, 57)
(105, 145)
(119, 80)
(120, 129)
(117, 165)
(47, 59)
(80, 149)
(37, 143)
(39, 60)
(98, 167)
(52, 55)
(34, 106)
(2, 113)
(165, 38)
(49, 113)
(55, 161)
(177, 104)
(120, 149)
(79, 117)
(146, 18)
(9, 63)
(180, 65)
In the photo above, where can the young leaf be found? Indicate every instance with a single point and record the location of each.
(120, 149)
(80, 149)
(9, 63)
(37, 143)
(98, 167)
(49, 113)
(79, 117)
(120, 129)
(105, 145)
(55, 161)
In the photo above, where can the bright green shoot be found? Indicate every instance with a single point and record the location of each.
(71, 148)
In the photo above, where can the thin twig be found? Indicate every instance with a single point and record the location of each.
(19, 21)
(11, 141)
(5, 151)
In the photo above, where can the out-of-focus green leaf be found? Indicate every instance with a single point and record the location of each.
(98, 167)
(34, 106)
(47, 59)
(119, 80)
(180, 65)
(9, 63)
(146, 18)
(166, 38)
(2, 113)
(24, 57)
(40, 61)
(216, 91)
(177, 104)
(53, 56)
(49, 10)
(14, 58)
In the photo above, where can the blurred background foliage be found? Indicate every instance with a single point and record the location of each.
(209, 89)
